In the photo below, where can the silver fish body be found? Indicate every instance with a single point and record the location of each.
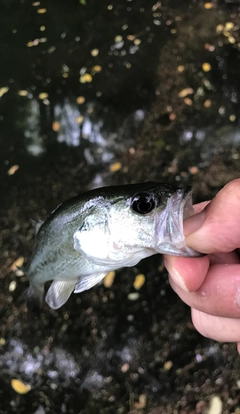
(102, 230)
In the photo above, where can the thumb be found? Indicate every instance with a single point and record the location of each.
(215, 228)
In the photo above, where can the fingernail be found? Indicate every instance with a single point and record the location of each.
(176, 276)
(193, 223)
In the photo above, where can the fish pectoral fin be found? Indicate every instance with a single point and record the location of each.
(86, 282)
(59, 292)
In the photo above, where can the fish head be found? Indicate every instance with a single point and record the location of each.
(122, 229)
(169, 235)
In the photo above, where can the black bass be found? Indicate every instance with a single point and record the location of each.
(102, 230)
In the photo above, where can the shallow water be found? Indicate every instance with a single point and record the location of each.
(95, 94)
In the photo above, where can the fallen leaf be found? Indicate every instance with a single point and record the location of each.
(139, 281)
(20, 387)
(137, 42)
(94, 52)
(193, 170)
(232, 118)
(133, 296)
(168, 365)
(185, 92)
(125, 367)
(180, 68)
(131, 37)
(109, 279)
(13, 169)
(97, 68)
(80, 100)
(23, 92)
(215, 406)
(141, 402)
(43, 95)
(208, 6)
(41, 11)
(80, 119)
(55, 126)
(206, 67)
(207, 103)
(188, 101)
(118, 39)
(12, 286)
(18, 263)
(115, 167)
(229, 26)
(3, 90)
(86, 78)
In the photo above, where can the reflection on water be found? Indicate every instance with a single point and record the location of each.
(31, 128)
(66, 115)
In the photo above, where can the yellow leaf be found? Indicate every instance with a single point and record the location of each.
(55, 126)
(206, 67)
(180, 68)
(13, 169)
(18, 263)
(43, 95)
(97, 68)
(232, 118)
(118, 39)
(42, 11)
(20, 387)
(23, 92)
(80, 119)
(168, 365)
(139, 281)
(94, 52)
(80, 100)
(86, 78)
(3, 90)
(185, 92)
(109, 279)
(229, 26)
(2, 341)
(137, 42)
(208, 6)
(115, 167)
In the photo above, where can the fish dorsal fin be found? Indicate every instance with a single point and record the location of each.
(86, 282)
(59, 292)
(36, 225)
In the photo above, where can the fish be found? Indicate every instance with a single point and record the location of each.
(102, 230)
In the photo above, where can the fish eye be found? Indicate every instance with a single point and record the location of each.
(143, 203)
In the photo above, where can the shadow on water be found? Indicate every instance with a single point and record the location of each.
(94, 94)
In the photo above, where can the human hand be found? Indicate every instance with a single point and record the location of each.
(210, 285)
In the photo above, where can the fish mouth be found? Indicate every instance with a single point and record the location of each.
(170, 234)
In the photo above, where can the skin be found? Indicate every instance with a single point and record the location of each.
(210, 285)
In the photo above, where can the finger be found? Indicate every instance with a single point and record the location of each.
(215, 327)
(200, 206)
(219, 293)
(224, 258)
(187, 273)
(214, 229)
(191, 226)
